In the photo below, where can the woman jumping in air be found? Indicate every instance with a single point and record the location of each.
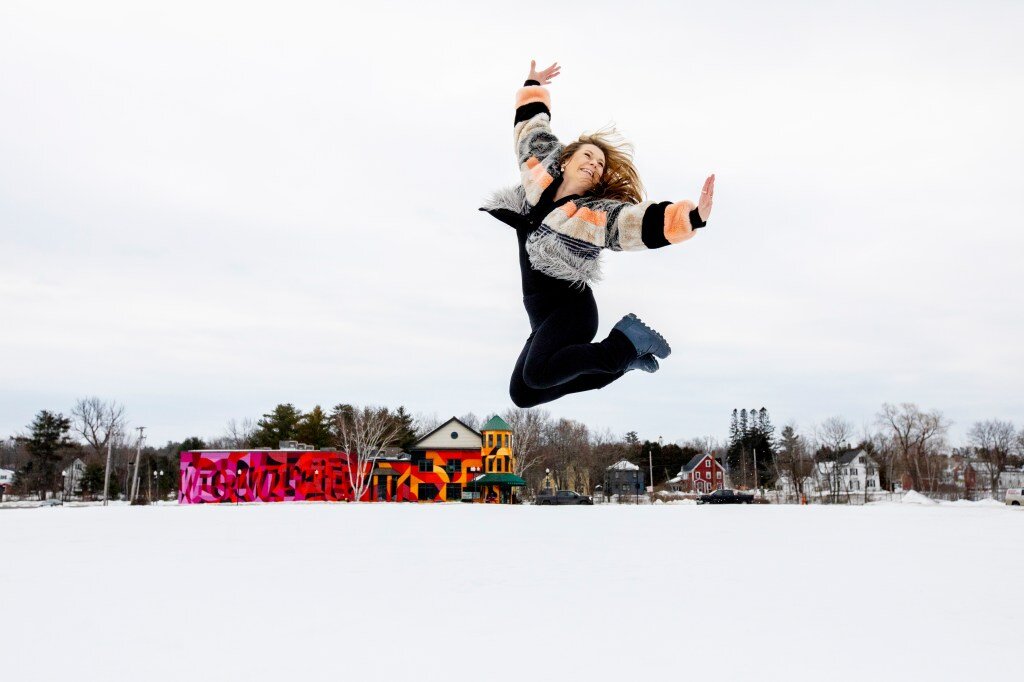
(573, 201)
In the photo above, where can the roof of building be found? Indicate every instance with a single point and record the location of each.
(849, 456)
(445, 425)
(496, 423)
(624, 465)
(694, 461)
(490, 479)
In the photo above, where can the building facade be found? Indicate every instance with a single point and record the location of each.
(452, 463)
(702, 474)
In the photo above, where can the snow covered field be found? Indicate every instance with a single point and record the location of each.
(453, 592)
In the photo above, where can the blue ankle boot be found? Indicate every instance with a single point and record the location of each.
(647, 363)
(644, 339)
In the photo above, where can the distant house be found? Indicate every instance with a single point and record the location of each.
(853, 472)
(623, 478)
(73, 477)
(1012, 478)
(6, 480)
(702, 474)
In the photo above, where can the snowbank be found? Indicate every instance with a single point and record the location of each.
(914, 497)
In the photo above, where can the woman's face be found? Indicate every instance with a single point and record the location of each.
(585, 166)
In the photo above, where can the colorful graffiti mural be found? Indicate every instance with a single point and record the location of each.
(425, 474)
(263, 476)
(293, 475)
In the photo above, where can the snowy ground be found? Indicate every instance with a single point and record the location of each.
(453, 592)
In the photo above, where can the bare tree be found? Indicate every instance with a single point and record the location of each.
(425, 423)
(993, 441)
(792, 460)
(98, 422)
(471, 420)
(528, 426)
(364, 433)
(916, 437)
(239, 435)
(567, 453)
(834, 433)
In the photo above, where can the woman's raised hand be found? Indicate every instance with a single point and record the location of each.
(543, 77)
(707, 196)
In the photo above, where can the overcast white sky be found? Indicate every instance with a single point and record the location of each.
(210, 208)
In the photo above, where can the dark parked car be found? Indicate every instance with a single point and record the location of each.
(725, 496)
(563, 497)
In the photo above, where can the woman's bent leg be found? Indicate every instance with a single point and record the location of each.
(561, 348)
(527, 396)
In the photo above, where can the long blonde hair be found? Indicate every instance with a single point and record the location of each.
(619, 181)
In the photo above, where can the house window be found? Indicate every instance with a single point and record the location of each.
(453, 492)
(504, 439)
(719, 475)
(453, 466)
(426, 465)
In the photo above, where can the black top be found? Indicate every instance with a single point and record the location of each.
(534, 281)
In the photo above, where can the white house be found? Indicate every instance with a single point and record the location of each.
(854, 473)
(73, 477)
(6, 477)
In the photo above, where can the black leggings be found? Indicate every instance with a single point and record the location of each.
(558, 357)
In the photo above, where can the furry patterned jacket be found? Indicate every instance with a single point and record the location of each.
(566, 237)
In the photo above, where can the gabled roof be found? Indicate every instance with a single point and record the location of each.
(496, 423)
(851, 455)
(694, 461)
(446, 425)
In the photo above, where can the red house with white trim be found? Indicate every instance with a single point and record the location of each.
(702, 474)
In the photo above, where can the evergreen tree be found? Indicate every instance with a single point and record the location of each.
(341, 413)
(406, 429)
(279, 425)
(92, 479)
(193, 443)
(46, 447)
(751, 433)
(315, 428)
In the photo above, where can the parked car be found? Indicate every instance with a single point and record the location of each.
(726, 496)
(563, 497)
(1015, 497)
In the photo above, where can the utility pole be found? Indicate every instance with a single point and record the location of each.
(757, 483)
(138, 455)
(106, 472)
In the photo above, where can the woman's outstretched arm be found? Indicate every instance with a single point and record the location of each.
(652, 225)
(536, 147)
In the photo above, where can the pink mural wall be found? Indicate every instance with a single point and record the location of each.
(262, 476)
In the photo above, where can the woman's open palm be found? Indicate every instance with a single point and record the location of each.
(543, 77)
(707, 196)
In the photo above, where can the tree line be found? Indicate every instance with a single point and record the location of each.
(908, 444)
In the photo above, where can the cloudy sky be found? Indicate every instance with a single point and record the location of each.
(210, 208)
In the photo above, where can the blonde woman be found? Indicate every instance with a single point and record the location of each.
(573, 201)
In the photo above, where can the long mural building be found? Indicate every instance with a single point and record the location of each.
(452, 463)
